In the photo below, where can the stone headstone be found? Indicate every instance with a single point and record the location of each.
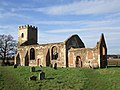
(33, 78)
(15, 66)
(41, 66)
(55, 66)
(32, 69)
(42, 75)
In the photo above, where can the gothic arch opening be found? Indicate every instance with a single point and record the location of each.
(32, 54)
(54, 53)
(26, 59)
(18, 59)
(78, 61)
(48, 58)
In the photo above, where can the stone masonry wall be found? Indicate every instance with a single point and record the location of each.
(88, 57)
(42, 52)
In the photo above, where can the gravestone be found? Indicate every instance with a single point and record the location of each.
(41, 66)
(15, 66)
(32, 69)
(33, 78)
(42, 75)
(55, 66)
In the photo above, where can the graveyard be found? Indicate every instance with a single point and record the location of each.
(19, 78)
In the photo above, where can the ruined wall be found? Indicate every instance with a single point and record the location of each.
(102, 52)
(43, 55)
(70, 53)
(83, 57)
(73, 42)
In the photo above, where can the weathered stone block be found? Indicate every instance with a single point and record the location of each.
(42, 75)
(32, 69)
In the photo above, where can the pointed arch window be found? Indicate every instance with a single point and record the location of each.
(32, 54)
(78, 61)
(54, 53)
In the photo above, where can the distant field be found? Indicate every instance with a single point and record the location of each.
(60, 79)
(113, 62)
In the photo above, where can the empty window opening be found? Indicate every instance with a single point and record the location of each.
(32, 54)
(54, 53)
(22, 35)
(78, 61)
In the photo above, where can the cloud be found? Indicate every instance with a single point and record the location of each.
(102, 29)
(82, 23)
(85, 22)
(51, 38)
(58, 22)
(9, 29)
(12, 14)
(83, 7)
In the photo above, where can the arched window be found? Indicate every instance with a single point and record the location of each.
(18, 59)
(78, 61)
(54, 53)
(22, 35)
(32, 54)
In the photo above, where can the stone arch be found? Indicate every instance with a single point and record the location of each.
(48, 58)
(78, 62)
(32, 54)
(54, 53)
(26, 59)
(18, 59)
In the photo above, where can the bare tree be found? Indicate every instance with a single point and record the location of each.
(7, 45)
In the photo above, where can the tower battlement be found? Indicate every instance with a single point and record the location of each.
(27, 26)
(27, 35)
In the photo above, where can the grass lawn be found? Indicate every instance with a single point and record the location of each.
(60, 79)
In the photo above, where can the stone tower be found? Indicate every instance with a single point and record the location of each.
(27, 35)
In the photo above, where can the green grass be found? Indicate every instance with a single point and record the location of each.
(60, 79)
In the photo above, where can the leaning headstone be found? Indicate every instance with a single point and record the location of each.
(15, 66)
(41, 66)
(55, 66)
(33, 78)
(42, 75)
(32, 69)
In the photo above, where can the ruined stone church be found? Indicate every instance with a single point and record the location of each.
(69, 53)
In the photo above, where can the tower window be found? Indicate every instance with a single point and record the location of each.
(22, 35)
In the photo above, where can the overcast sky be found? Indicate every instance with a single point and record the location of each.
(59, 19)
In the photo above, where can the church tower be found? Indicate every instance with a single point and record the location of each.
(27, 35)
